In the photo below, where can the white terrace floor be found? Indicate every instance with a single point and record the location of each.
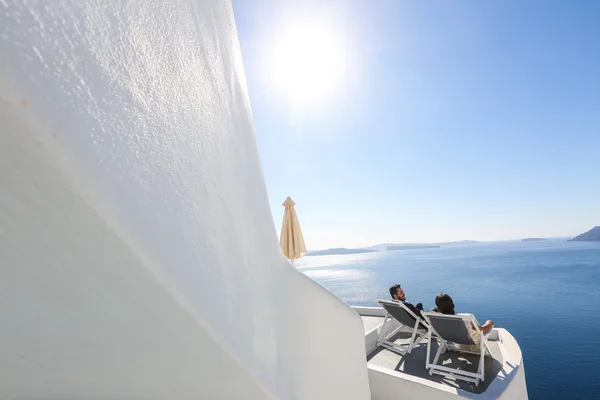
(414, 363)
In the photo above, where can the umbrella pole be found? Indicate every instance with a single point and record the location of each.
(292, 261)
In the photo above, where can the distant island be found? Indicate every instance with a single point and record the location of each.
(330, 252)
(533, 240)
(385, 246)
(593, 235)
(457, 242)
(412, 247)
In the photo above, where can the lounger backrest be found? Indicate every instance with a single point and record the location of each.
(452, 328)
(397, 311)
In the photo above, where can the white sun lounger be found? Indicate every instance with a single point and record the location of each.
(455, 329)
(415, 324)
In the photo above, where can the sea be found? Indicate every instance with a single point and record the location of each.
(545, 293)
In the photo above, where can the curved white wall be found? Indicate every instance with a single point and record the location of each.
(138, 254)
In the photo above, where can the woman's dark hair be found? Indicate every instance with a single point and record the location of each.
(444, 304)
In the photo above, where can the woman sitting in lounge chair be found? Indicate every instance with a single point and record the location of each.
(445, 305)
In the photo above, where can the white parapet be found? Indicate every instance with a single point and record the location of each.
(138, 254)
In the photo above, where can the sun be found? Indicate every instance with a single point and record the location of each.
(307, 64)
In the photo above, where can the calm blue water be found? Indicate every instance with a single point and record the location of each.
(547, 294)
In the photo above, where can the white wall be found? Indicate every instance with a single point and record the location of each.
(138, 254)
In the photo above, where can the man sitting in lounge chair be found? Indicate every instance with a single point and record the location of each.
(398, 295)
(403, 316)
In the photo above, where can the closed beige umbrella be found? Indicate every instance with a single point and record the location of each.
(291, 241)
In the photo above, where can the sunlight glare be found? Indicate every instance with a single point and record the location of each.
(308, 64)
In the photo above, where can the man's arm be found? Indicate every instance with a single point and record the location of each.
(414, 309)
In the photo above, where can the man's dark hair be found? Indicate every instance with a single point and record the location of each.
(394, 290)
(444, 303)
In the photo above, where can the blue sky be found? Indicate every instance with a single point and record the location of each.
(449, 120)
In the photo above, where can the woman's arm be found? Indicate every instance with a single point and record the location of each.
(487, 327)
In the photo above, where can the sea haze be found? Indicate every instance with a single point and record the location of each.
(546, 293)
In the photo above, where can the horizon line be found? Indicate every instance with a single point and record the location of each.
(446, 242)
